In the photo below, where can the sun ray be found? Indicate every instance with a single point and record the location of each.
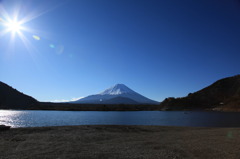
(15, 25)
(18, 23)
(33, 15)
(28, 45)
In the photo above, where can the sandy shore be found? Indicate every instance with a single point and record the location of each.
(102, 142)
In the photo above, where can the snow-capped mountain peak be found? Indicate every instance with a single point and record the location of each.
(117, 90)
(117, 94)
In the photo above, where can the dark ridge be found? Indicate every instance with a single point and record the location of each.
(224, 94)
(11, 98)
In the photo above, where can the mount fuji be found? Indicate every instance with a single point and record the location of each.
(118, 94)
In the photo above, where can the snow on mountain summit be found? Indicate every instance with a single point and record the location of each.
(117, 90)
(117, 94)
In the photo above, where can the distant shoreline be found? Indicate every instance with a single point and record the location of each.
(93, 107)
(111, 107)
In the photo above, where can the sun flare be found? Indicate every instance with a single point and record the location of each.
(16, 26)
(13, 26)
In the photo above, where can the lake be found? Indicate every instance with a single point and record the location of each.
(27, 118)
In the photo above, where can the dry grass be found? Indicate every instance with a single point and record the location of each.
(135, 142)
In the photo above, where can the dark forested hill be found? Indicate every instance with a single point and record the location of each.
(10, 98)
(224, 94)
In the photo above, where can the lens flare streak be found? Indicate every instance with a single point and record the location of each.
(36, 37)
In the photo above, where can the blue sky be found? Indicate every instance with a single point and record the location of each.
(157, 48)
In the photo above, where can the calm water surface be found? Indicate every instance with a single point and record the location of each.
(165, 118)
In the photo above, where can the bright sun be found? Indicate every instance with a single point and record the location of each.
(13, 26)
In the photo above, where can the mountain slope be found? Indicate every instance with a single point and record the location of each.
(12, 99)
(223, 94)
(120, 100)
(119, 90)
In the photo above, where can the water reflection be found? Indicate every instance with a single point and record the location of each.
(12, 118)
(165, 118)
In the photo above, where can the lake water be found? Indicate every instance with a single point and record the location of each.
(25, 118)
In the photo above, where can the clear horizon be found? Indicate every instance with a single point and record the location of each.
(69, 49)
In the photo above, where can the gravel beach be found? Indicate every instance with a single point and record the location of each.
(135, 142)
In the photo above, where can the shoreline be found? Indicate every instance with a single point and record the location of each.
(113, 107)
(119, 141)
(121, 110)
